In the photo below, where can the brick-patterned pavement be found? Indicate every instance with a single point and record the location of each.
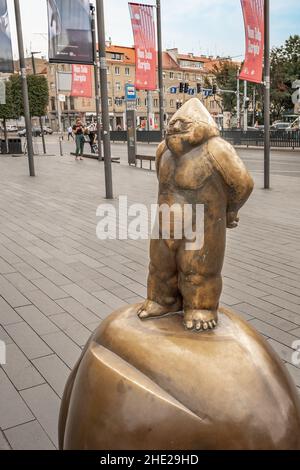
(58, 281)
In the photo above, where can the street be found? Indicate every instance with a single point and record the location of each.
(284, 162)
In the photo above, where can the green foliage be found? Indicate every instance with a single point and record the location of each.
(38, 92)
(225, 75)
(285, 68)
(7, 111)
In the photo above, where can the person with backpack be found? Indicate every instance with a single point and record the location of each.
(78, 130)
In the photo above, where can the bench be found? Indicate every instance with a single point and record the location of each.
(147, 158)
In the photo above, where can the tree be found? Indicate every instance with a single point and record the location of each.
(225, 75)
(7, 110)
(285, 68)
(38, 92)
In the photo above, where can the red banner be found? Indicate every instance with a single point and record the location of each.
(253, 11)
(82, 81)
(142, 19)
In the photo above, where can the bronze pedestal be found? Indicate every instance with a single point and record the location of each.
(152, 385)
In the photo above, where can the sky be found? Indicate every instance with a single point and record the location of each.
(211, 27)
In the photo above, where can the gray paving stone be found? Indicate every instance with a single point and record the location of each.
(20, 282)
(44, 303)
(110, 299)
(8, 315)
(295, 373)
(28, 341)
(49, 289)
(13, 410)
(54, 371)
(37, 320)
(5, 337)
(11, 294)
(286, 353)
(44, 404)
(86, 299)
(29, 436)
(75, 330)
(27, 271)
(78, 311)
(19, 370)
(274, 333)
(273, 319)
(5, 267)
(4, 445)
(64, 347)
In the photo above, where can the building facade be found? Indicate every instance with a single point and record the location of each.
(184, 77)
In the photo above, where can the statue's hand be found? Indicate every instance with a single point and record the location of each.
(232, 219)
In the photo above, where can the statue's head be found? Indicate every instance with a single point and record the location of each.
(190, 126)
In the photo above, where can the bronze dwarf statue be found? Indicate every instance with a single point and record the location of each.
(194, 166)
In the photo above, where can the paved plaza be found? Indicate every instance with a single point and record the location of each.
(58, 281)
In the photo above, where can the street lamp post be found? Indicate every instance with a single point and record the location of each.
(104, 99)
(40, 117)
(24, 89)
(160, 68)
(97, 85)
(267, 96)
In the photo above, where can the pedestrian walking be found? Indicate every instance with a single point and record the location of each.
(78, 130)
(70, 133)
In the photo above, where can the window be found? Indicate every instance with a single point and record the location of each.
(164, 74)
(117, 70)
(53, 103)
(179, 76)
(65, 104)
(171, 103)
(72, 103)
(187, 76)
(116, 56)
(109, 101)
(108, 70)
(146, 102)
(127, 71)
(155, 102)
(118, 101)
(108, 85)
(118, 86)
(172, 75)
(138, 101)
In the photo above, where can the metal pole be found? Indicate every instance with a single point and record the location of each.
(40, 117)
(148, 109)
(59, 116)
(160, 68)
(24, 89)
(238, 103)
(245, 123)
(267, 97)
(97, 85)
(104, 99)
(254, 107)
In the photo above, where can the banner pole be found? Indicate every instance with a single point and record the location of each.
(160, 69)
(104, 99)
(238, 102)
(40, 117)
(97, 86)
(24, 89)
(267, 96)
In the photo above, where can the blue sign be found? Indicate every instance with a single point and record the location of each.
(173, 90)
(207, 92)
(191, 91)
(130, 92)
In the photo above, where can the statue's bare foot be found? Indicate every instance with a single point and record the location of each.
(151, 309)
(200, 320)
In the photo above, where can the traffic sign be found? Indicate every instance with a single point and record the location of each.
(173, 90)
(130, 92)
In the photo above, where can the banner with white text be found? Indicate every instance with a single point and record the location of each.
(6, 55)
(70, 33)
(253, 11)
(82, 80)
(143, 26)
